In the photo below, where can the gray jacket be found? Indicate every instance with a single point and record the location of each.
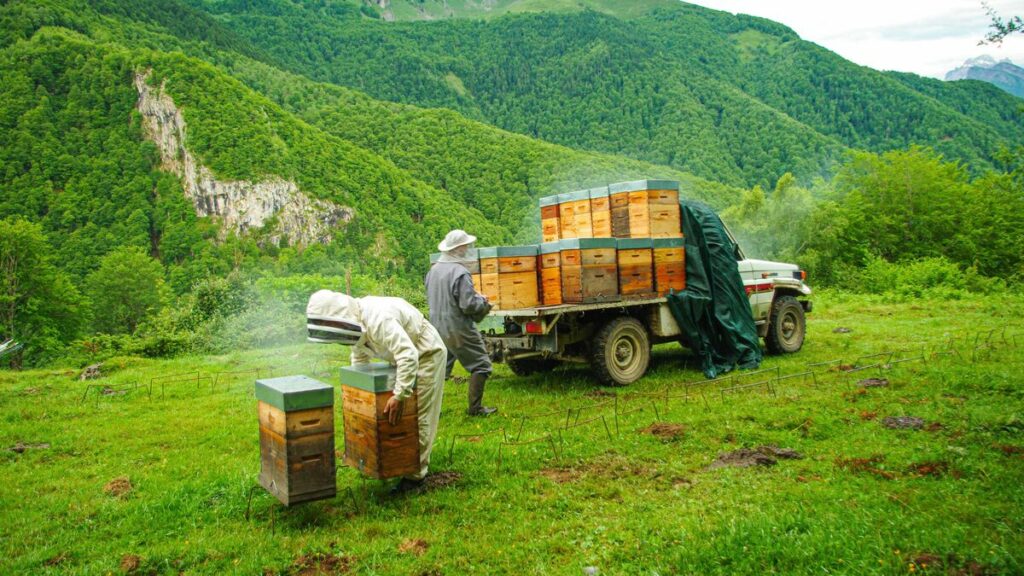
(455, 306)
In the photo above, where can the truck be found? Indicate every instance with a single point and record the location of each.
(615, 338)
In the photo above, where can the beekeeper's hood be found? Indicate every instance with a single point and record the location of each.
(334, 318)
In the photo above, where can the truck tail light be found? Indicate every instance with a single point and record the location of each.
(534, 327)
(800, 275)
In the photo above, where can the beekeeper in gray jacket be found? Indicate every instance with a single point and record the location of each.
(455, 308)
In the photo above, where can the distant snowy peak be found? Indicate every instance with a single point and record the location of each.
(1002, 73)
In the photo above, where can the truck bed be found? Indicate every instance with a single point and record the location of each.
(540, 311)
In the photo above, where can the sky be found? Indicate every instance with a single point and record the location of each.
(928, 38)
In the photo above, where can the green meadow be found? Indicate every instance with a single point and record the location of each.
(151, 468)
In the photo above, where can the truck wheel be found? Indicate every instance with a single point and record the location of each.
(787, 326)
(527, 366)
(621, 351)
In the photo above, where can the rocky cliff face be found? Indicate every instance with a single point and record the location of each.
(239, 205)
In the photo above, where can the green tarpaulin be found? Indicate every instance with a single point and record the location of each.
(714, 312)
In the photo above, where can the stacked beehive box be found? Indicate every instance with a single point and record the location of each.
(550, 273)
(488, 273)
(574, 215)
(296, 416)
(636, 267)
(517, 277)
(669, 265)
(580, 261)
(645, 209)
(373, 445)
(550, 228)
(589, 270)
(601, 212)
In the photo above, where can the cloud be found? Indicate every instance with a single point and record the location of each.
(927, 38)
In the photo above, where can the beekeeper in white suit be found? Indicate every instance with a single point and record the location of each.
(392, 330)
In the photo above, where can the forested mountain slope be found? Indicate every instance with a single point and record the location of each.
(733, 98)
(77, 158)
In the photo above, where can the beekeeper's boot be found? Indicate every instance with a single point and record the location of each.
(476, 396)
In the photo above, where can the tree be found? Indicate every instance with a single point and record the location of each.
(999, 28)
(39, 306)
(126, 289)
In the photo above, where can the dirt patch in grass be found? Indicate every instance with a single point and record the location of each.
(130, 563)
(903, 422)
(1010, 450)
(118, 487)
(934, 427)
(865, 466)
(20, 447)
(665, 431)
(936, 469)
(320, 564)
(950, 564)
(842, 368)
(438, 480)
(415, 546)
(474, 439)
(760, 456)
(91, 372)
(599, 394)
(874, 383)
(842, 330)
(868, 415)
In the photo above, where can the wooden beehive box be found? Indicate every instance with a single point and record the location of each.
(488, 274)
(517, 277)
(566, 217)
(373, 445)
(631, 212)
(550, 274)
(296, 417)
(601, 212)
(589, 270)
(669, 265)
(636, 267)
(664, 203)
(550, 228)
(579, 203)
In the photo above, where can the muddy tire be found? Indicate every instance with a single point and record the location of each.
(527, 366)
(621, 351)
(787, 327)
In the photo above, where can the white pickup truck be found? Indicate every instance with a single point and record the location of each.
(615, 338)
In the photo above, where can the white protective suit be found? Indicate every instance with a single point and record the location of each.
(397, 333)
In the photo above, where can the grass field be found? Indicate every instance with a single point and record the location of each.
(143, 483)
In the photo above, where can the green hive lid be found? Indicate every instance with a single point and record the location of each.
(376, 377)
(550, 247)
(636, 185)
(292, 393)
(575, 196)
(669, 242)
(549, 201)
(598, 192)
(517, 251)
(634, 243)
(483, 253)
(587, 243)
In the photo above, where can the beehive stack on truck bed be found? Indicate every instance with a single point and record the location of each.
(597, 289)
